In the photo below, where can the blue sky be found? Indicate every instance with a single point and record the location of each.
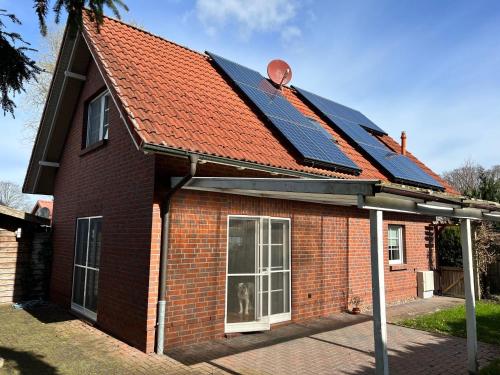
(431, 68)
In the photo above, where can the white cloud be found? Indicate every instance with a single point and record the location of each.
(250, 16)
(290, 33)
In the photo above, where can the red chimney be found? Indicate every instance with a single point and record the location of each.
(403, 143)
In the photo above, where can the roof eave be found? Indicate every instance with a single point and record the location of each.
(65, 88)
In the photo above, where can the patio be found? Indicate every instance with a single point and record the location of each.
(340, 344)
(47, 340)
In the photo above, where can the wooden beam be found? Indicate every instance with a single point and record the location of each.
(378, 292)
(470, 303)
(51, 164)
(73, 75)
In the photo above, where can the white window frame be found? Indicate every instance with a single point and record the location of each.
(400, 231)
(74, 306)
(273, 318)
(103, 128)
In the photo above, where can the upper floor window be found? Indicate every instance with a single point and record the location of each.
(395, 239)
(97, 119)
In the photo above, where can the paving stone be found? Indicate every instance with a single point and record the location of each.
(339, 344)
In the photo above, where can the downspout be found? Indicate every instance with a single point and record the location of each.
(165, 231)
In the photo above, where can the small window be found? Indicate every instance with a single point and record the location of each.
(395, 239)
(97, 119)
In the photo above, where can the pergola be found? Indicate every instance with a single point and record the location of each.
(377, 197)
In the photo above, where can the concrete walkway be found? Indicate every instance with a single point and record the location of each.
(50, 341)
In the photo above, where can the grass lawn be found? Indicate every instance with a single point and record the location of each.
(452, 322)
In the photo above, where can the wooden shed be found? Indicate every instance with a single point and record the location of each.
(25, 253)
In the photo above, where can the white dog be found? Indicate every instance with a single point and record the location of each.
(245, 296)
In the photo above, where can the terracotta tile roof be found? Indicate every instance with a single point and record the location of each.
(176, 98)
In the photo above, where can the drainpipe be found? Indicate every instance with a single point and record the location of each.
(165, 231)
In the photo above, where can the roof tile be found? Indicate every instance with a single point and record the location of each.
(178, 99)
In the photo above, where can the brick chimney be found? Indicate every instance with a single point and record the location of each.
(403, 143)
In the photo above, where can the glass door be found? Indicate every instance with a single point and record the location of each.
(247, 284)
(86, 266)
(280, 270)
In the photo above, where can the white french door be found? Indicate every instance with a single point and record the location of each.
(258, 273)
(86, 266)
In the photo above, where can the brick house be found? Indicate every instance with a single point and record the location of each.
(230, 246)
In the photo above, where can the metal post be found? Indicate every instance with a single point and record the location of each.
(378, 292)
(470, 303)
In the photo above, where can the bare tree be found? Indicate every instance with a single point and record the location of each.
(12, 196)
(37, 91)
(466, 179)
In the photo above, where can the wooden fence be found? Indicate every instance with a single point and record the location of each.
(450, 281)
(24, 265)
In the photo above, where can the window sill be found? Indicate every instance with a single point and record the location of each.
(398, 267)
(94, 147)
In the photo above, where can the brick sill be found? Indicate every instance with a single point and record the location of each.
(398, 267)
(94, 147)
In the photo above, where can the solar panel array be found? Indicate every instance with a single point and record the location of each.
(353, 123)
(313, 143)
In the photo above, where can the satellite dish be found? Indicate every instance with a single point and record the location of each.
(279, 72)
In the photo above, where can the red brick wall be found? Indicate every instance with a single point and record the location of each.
(330, 245)
(115, 181)
(330, 258)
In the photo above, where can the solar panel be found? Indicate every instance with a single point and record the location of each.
(399, 167)
(329, 107)
(314, 145)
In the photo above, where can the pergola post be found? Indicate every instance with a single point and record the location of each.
(470, 303)
(378, 292)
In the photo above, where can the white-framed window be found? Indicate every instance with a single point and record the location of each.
(97, 119)
(395, 242)
(258, 279)
(86, 265)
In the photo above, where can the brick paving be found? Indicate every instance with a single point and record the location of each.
(340, 344)
(49, 341)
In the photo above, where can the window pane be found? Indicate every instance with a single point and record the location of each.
(277, 229)
(277, 257)
(91, 291)
(394, 243)
(394, 254)
(265, 231)
(279, 293)
(242, 245)
(241, 299)
(280, 235)
(105, 122)
(94, 122)
(82, 227)
(78, 285)
(94, 243)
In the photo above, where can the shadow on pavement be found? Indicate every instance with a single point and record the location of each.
(24, 362)
(209, 351)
